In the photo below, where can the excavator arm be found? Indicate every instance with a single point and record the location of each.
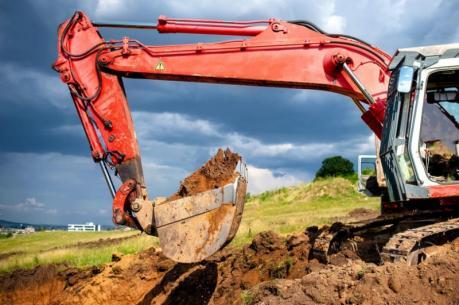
(274, 53)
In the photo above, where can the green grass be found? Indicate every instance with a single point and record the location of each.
(63, 247)
(292, 209)
(247, 297)
(42, 241)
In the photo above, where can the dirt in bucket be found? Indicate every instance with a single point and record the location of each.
(219, 171)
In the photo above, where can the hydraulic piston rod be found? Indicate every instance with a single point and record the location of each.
(108, 178)
(358, 83)
(194, 26)
(126, 25)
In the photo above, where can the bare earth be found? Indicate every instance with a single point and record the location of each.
(271, 270)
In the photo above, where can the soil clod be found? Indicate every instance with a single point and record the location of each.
(217, 172)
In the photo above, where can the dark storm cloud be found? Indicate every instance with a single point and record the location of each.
(236, 107)
(47, 174)
(273, 110)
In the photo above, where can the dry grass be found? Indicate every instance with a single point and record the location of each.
(293, 209)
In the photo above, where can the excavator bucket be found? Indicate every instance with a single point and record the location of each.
(192, 228)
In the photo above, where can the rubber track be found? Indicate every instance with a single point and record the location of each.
(408, 245)
(400, 246)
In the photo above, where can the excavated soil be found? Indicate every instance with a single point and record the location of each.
(217, 172)
(270, 270)
(356, 282)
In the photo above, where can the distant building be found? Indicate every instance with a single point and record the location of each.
(89, 226)
(26, 230)
(29, 230)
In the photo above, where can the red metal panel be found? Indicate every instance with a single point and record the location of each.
(442, 191)
(109, 109)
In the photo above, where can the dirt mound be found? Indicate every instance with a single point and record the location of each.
(217, 172)
(433, 282)
(267, 257)
(36, 286)
(270, 270)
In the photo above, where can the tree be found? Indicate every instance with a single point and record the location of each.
(334, 167)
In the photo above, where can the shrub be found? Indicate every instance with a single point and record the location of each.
(334, 167)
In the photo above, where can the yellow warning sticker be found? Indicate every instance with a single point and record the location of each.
(160, 66)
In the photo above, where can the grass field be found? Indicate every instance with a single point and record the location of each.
(283, 211)
(71, 248)
(292, 209)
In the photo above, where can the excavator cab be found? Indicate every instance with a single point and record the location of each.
(419, 149)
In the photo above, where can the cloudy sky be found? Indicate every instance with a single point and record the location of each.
(47, 175)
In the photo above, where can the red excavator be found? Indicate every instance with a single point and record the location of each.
(409, 100)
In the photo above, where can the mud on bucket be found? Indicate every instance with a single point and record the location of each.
(194, 224)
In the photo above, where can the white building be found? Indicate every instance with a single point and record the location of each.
(29, 230)
(89, 226)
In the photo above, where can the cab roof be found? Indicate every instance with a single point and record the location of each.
(428, 55)
(434, 50)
